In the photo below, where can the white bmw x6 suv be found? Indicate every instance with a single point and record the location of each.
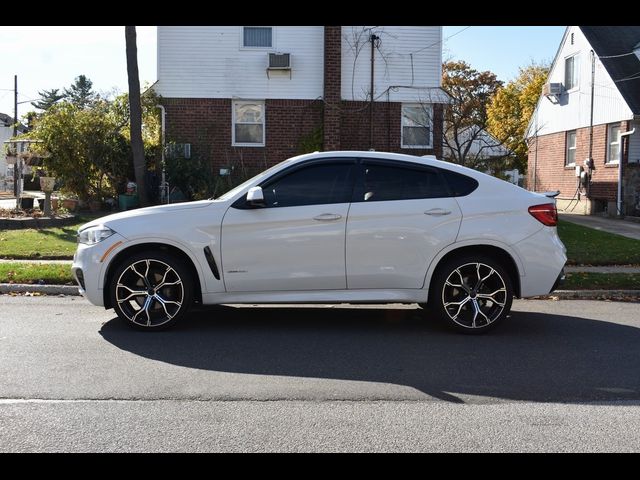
(331, 227)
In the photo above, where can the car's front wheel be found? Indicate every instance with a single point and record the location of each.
(472, 293)
(151, 290)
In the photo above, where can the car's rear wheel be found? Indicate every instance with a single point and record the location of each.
(151, 290)
(472, 294)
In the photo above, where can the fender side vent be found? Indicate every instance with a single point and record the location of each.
(212, 262)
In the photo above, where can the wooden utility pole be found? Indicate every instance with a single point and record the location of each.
(15, 132)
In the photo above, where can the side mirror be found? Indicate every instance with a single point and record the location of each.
(255, 197)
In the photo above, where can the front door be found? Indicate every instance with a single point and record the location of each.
(297, 240)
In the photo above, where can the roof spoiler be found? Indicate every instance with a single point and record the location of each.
(551, 194)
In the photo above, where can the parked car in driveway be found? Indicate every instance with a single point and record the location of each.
(331, 227)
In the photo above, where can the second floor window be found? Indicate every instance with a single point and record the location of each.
(248, 124)
(571, 72)
(261, 37)
(570, 157)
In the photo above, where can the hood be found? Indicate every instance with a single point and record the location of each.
(146, 212)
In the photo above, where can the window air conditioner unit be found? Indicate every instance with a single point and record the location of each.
(551, 89)
(279, 61)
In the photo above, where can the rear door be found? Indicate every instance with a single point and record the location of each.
(401, 216)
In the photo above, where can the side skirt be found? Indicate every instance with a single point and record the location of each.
(319, 296)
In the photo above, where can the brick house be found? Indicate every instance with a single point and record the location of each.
(578, 118)
(259, 95)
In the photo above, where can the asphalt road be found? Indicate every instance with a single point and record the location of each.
(557, 376)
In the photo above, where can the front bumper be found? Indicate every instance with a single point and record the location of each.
(90, 266)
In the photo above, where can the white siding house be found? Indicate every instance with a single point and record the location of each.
(404, 58)
(573, 109)
(592, 98)
(6, 132)
(211, 62)
(221, 97)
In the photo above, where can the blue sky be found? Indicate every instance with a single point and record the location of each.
(51, 57)
(502, 49)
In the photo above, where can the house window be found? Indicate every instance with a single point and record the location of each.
(248, 124)
(571, 72)
(570, 157)
(261, 37)
(417, 125)
(613, 143)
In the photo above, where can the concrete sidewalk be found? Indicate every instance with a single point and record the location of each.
(626, 228)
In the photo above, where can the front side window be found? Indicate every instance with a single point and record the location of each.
(384, 183)
(571, 72)
(570, 154)
(417, 123)
(613, 144)
(260, 37)
(312, 185)
(248, 124)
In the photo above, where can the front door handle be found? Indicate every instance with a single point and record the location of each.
(437, 212)
(327, 217)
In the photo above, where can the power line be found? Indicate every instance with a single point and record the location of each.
(441, 41)
(617, 56)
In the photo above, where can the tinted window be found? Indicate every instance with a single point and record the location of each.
(383, 183)
(459, 185)
(314, 185)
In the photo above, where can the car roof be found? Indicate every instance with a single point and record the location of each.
(430, 160)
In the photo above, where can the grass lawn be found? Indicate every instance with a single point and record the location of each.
(45, 243)
(44, 273)
(601, 281)
(587, 246)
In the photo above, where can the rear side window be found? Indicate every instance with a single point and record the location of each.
(459, 185)
(384, 183)
(313, 185)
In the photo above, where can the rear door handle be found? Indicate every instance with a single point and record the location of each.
(327, 217)
(437, 212)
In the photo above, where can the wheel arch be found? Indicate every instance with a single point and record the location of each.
(140, 247)
(509, 261)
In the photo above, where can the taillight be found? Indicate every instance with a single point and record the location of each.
(545, 214)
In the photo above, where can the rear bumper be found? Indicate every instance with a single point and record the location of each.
(543, 258)
(559, 281)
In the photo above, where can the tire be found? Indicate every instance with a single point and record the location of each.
(471, 293)
(151, 290)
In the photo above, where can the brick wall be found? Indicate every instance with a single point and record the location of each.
(206, 124)
(387, 129)
(551, 173)
(332, 79)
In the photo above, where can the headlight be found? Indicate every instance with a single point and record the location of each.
(93, 235)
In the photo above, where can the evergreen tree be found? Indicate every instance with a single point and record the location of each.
(80, 93)
(48, 98)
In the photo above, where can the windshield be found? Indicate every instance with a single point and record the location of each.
(231, 193)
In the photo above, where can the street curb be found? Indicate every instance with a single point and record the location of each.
(591, 294)
(42, 289)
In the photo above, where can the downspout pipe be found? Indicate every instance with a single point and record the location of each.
(625, 134)
(373, 40)
(164, 188)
